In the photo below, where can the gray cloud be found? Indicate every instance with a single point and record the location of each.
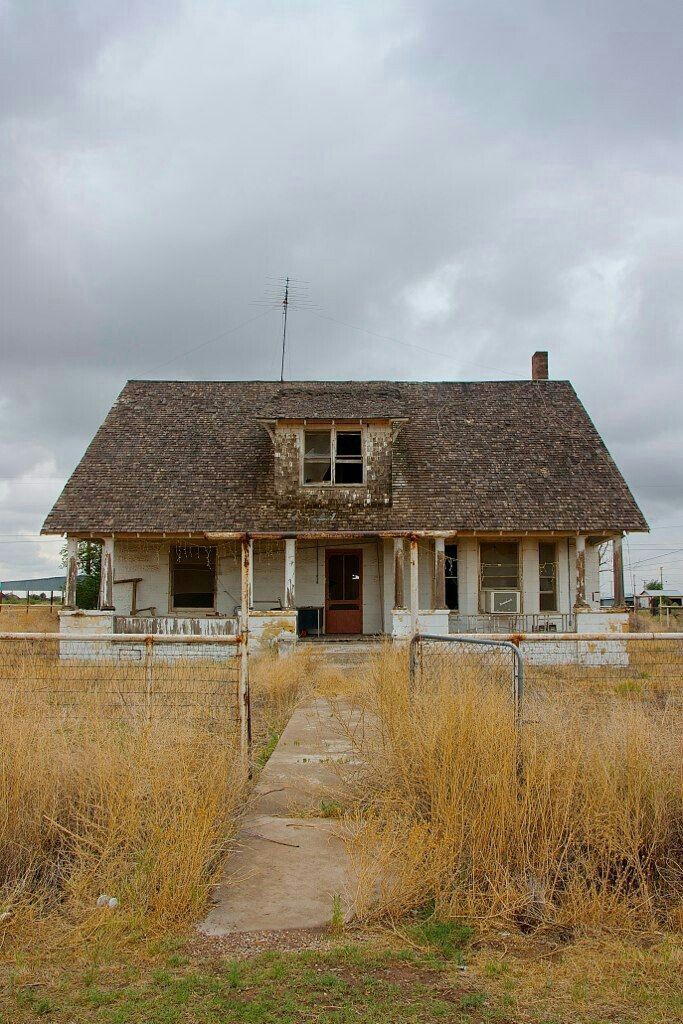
(472, 179)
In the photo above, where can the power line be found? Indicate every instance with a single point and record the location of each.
(209, 341)
(407, 344)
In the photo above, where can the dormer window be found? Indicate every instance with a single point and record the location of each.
(333, 455)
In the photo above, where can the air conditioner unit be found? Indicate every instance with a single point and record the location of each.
(501, 601)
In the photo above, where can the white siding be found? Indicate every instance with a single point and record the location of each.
(148, 560)
(468, 576)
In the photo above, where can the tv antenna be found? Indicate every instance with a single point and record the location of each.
(285, 307)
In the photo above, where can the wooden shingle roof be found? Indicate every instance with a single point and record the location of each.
(191, 456)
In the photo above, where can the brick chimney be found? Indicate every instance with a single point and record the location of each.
(539, 366)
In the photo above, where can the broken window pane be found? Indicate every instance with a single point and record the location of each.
(317, 472)
(547, 573)
(317, 456)
(499, 566)
(452, 576)
(347, 466)
(317, 444)
(193, 572)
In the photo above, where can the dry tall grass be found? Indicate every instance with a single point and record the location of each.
(103, 794)
(37, 618)
(590, 836)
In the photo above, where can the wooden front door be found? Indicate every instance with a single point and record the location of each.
(343, 591)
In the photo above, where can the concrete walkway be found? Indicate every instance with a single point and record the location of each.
(290, 867)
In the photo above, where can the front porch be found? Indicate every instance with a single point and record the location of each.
(336, 585)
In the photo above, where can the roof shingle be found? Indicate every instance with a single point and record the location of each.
(179, 456)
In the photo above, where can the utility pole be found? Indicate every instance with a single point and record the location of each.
(285, 306)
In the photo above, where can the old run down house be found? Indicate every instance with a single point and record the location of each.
(334, 509)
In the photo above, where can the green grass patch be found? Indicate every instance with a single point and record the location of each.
(348, 983)
(267, 749)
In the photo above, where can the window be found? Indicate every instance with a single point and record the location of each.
(547, 573)
(333, 456)
(193, 576)
(452, 576)
(499, 566)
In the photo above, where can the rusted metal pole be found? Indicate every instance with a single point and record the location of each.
(149, 674)
(243, 689)
(618, 571)
(414, 585)
(71, 572)
(439, 588)
(290, 572)
(399, 572)
(106, 598)
(580, 601)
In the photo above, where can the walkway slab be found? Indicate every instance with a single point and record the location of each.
(290, 868)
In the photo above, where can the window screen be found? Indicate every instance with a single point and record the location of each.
(499, 566)
(193, 570)
(452, 576)
(547, 574)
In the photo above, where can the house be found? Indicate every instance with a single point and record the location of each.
(654, 598)
(345, 508)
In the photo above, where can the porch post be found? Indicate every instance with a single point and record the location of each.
(618, 571)
(290, 572)
(399, 570)
(580, 601)
(71, 572)
(105, 601)
(439, 583)
(414, 585)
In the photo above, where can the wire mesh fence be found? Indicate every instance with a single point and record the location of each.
(485, 662)
(180, 680)
(588, 669)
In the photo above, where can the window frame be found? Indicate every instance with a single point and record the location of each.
(484, 589)
(555, 591)
(333, 430)
(191, 609)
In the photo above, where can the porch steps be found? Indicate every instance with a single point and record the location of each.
(344, 654)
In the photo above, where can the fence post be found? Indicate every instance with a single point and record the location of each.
(149, 674)
(412, 662)
(518, 671)
(243, 692)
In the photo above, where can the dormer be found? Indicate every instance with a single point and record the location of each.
(328, 462)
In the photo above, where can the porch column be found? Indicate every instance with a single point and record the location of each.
(399, 571)
(618, 571)
(247, 582)
(105, 601)
(290, 572)
(414, 585)
(71, 572)
(580, 601)
(439, 583)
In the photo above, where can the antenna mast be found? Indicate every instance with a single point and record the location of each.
(285, 306)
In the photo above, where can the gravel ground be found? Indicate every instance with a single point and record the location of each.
(245, 944)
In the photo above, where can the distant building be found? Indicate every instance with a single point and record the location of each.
(652, 598)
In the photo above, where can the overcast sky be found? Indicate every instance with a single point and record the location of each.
(457, 184)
